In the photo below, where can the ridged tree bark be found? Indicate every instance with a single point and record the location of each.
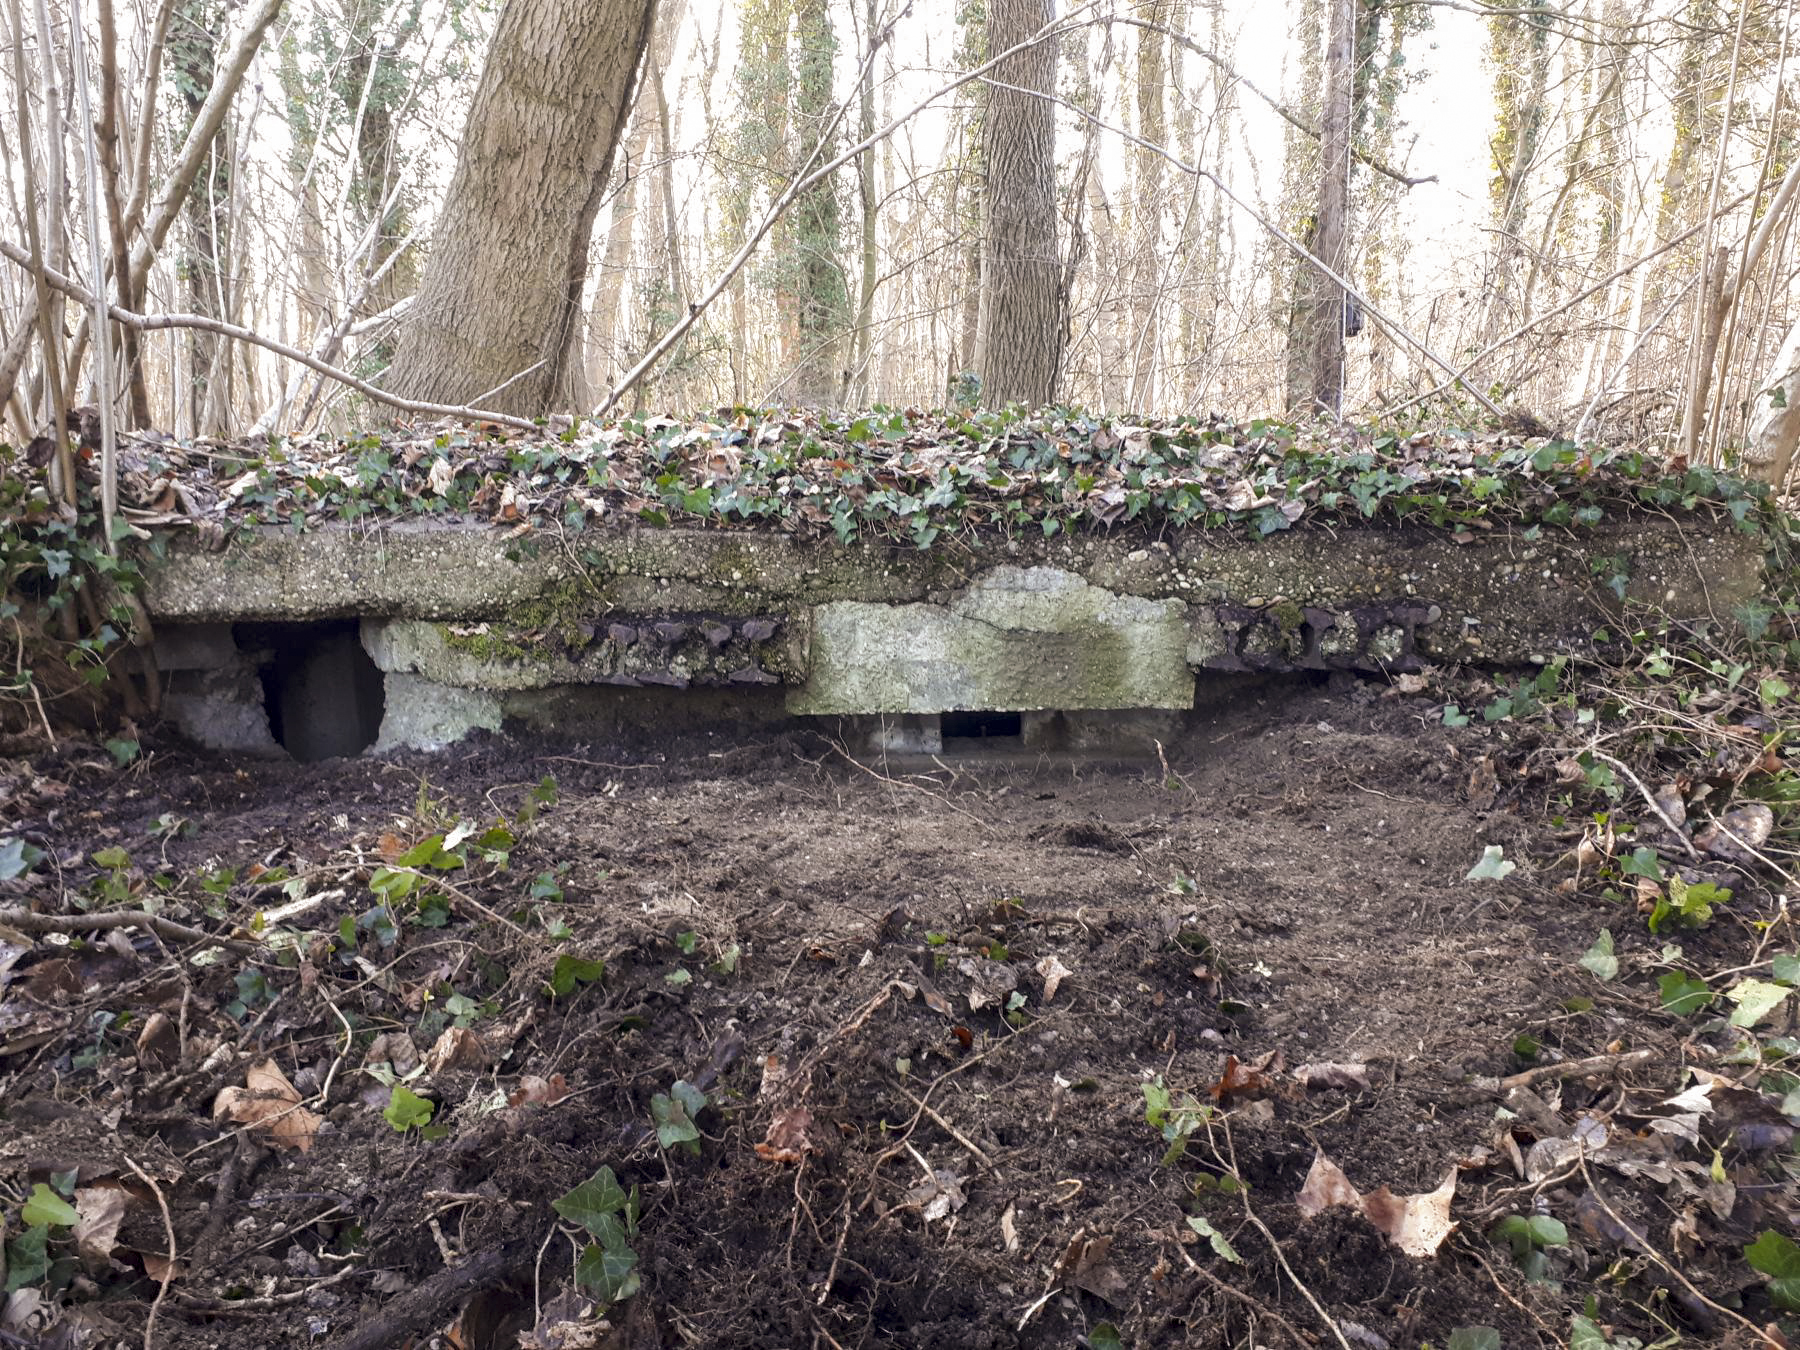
(1019, 335)
(499, 306)
(1148, 256)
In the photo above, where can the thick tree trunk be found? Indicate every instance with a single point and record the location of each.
(1019, 341)
(500, 301)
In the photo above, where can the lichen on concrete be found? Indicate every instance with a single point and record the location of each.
(1018, 638)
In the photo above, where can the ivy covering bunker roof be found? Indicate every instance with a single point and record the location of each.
(904, 475)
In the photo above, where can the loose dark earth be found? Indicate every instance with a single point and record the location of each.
(798, 934)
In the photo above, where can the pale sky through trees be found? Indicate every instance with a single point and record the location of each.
(1186, 296)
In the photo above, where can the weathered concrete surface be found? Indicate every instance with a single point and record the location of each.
(1018, 638)
(473, 627)
(630, 651)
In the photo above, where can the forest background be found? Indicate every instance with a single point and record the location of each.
(1579, 217)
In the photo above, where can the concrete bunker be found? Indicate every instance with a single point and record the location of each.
(323, 695)
(1096, 646)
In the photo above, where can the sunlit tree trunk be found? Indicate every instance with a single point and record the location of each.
(498, 309)
(1020, 330)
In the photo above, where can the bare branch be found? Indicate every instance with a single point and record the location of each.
(1300, 250)
(148, 322)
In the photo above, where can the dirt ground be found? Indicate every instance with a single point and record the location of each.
(850, 960)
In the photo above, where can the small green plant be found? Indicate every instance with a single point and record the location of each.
(1600, 959)
(1685, 905)
(1529, 1236)
(406, 1110)
(1220, 1245)
(607, 1267)
(673, 1113)
(1777, 1257)
(46, 1215)
(1174, 1119)
(571, 970)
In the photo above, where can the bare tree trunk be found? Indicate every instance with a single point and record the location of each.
(107, 133)
(1019, 342)
(858, 392)
(1334, 211)
(499, 304)
(1146, 285)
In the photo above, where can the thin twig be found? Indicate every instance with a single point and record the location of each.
(1654, 805)
(1642, 1243)
(951, 1130)
(1241, 1296)
(900, 782)
(1575, 1068)
(162, 1285)
(1281, 1256)
(27, 921)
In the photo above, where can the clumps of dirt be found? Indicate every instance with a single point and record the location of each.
(1048, 1050)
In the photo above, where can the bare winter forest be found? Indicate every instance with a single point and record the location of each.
(309, 215)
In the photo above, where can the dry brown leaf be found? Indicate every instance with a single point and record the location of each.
(102, 1208)
(442, 475)
(158, 1043)
(1246, 1080)
(788, 1139)
(1088, 1263)
(1325, 1186)
(1053, 973)
(1416, 1224)
(161, 1269)
(457, 1048)
(267, 1101)
(535, 1091)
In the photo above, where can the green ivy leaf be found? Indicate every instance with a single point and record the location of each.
(674, 1114)
(1219, 1243)
(46, 1207)
(1493, 865)
(1777, 1257)
(1786, 968)
(1473, 1338)
(28, 1258)
(1756, 999)
(1643, 862)
(17, 858)
(1105, 1336)
(1600, 959)
(1682, 994)
(598, 1198)
(1454, 716)
(406, 1110)
(572, 970)
(608, 1272)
